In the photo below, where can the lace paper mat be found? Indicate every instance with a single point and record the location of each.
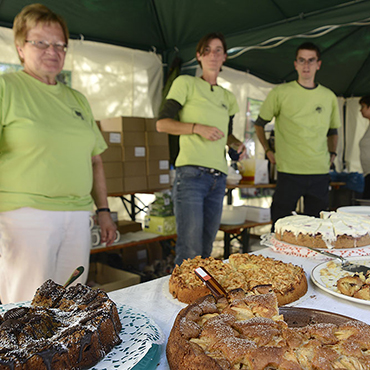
(269, 240)
(138, 334)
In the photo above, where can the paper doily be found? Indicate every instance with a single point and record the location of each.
(138, 334)
(269, 240)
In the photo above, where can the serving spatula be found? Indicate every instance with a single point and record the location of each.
(212, 284)
(75, 274)
(345, 264)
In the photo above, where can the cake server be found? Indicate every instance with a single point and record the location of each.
(212, 284)
(345, 264)
(75, 274)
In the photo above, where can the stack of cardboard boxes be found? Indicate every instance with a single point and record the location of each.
(157, 163)
(137, 158)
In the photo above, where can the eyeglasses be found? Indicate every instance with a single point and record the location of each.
(310, 62)
(43, 45)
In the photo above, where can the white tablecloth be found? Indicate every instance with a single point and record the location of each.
(153, 299)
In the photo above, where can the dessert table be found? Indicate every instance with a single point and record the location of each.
(153, 298)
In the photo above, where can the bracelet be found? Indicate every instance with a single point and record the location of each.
(102, 210)
(333, 153)
(192, 129)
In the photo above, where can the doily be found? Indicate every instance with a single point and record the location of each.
(138, 334)
(269, 240)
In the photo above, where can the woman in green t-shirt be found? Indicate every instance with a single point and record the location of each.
(206, 111)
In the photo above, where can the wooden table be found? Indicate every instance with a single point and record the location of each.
(120, 245)
(240, 233)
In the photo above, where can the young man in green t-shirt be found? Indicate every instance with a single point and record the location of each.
(306, 122)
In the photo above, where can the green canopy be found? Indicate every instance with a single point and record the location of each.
(262, 35)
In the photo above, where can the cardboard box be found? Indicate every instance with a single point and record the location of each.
(124, 226)
(134, 184)
(157, 166)
(135, 257)
(114, 185)
(134, 138)
(112, 154)
(155, 152)
(133, 168)
(160, 225)
(156, 138)
(108, 278)
(133, 153)
(123, 124)
(140, 256)
(113, 169)
(161, 181)
(150, 124)
(258, 214)
(112, 138)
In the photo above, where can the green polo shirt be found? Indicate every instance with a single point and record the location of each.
(303, 118)
(207, 106)
(47, 138)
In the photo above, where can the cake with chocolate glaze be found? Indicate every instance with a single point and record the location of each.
(71, 328)
(331, 230)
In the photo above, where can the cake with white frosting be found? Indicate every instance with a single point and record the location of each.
(331, 230)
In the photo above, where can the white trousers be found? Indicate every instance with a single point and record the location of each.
(37, 245)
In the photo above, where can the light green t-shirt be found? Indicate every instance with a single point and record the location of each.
(47, 138)
(211, 107)
(303, 118)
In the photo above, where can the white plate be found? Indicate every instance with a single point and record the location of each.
(269, 240)
(139, 333)
(358, 210)
(328, 283)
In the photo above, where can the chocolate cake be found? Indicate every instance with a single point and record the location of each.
(71, 328)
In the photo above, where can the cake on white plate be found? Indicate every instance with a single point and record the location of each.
(331, 230)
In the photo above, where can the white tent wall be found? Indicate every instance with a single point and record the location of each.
(355, 129)
(117, 81)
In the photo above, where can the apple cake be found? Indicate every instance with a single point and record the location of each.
(247, 332)
(254, 273)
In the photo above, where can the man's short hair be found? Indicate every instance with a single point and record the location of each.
(309, 46)
(365, 100)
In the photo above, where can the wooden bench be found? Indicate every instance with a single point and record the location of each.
(239, 232)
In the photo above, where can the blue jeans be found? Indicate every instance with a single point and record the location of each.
(198, 198)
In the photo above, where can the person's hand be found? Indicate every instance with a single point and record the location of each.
(208, 132)
(107, 228)
(271, 156)
(242, 150)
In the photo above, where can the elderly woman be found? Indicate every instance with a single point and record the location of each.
(49, 163)
(206, 112)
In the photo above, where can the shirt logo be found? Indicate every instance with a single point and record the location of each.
(319, 109)
(223, 106)
(78, 114)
